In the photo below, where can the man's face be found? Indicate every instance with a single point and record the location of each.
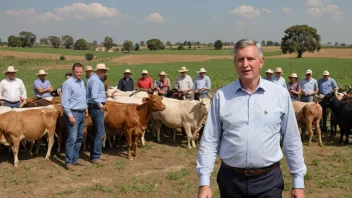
(127, 75)
(183, 74)
(144, 76)
(42, 77)
(269, 75)
(101, 72)
(247, 63)
(308, 76)
(89, 73)
(77, 72)
(11, 75)
(202, 74)
(162, 77)
(326, 77)
(278, 74)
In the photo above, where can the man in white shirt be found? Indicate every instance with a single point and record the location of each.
(184, 84)
(12, 90)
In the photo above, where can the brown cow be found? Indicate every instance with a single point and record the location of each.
(132, 119)
(30, 102)
(307, 115)
(29, 125)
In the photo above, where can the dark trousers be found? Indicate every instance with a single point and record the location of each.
(12, 105)
(97, 116)
(324, 119)
(236, 185)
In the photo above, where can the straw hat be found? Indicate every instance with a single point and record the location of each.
(309, 72)
(89, 68)
(183, 69)
(144, 72)
(10, 69)
(326, 73)
(269, 71)
(41, 72)
(163, 73)
(101, 66)
(127, 71)
(293, 75)
(278, 70)
(202, 70)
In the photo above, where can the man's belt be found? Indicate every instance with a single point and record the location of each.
(90, 105)
(78, 110)
(253, 172)
(11, 102)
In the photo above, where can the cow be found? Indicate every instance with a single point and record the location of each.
(30, 102)
(182, 114)
(309, 115)
(30, 125)
(113, 92)
(131, 119)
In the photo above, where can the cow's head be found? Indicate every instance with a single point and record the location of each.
(327, 100)
(154, 102)
(204, 105)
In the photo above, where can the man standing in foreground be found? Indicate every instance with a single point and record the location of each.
(74, 103)
(244, 124)
(96, 99)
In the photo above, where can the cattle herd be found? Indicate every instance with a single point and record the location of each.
(131, 114)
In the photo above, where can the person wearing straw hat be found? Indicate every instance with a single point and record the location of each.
(42, 87)
(145, 83)
(278, 79)
(293, 87)
(12, 89)
(162, 85)
(96, 99)
(269, 75)
(126, 83)
(326, 85)
(201, 85)
(309, 87)
(89, 71)
(184, 84)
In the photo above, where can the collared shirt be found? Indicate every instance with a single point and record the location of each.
(163, 85)
(245, 129)
(271, 79)
(309, 86)
(12, 90)
(95, 90)
(184, 83)
(200, 83)
(326, 86)
(43, 85)
(280, 81)
(146, 83)
(293, 86)
(73, 95)
(126, 84)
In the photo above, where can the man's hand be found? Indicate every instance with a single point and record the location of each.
(297, 193)
(196, 91)
(50, 89)
(104, 108)
(204, 192)
(72, 120)
(21, 100)
(184, 91)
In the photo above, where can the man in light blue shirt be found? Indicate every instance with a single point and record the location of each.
(278, 79)
(74, 103)
(309, 87)
(42, 87)
(269, 75)
(201, 85)
(96, 99)
(244, 125)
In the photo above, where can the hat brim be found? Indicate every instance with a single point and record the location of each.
(90, 70)
(14, 71)
(201, 72)
(269, 72)
(41, 74)
(308, 73)
(107, 69)
(293, 76)
(143, 73)
(183, 70)
(162, 74)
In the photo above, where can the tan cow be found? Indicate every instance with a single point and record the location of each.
(309, 115)
(29, 125)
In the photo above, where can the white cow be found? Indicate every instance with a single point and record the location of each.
(113, 92)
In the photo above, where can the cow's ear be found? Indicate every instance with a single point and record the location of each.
(144, 100)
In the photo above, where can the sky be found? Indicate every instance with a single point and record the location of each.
(176, 20)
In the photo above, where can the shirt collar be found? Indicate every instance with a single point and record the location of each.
(75, 79)
(11, 80)
(263, 84)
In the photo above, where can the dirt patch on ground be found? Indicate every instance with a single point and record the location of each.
(165, 58)
(324, 53)
(38, 55)
(49, 67)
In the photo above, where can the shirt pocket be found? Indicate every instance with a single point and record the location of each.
(271, 121)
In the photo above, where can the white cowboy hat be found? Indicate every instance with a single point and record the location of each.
(269, 71)
(163, 73)
(293, 75)
(89, 68)
(10, 69)
(326, 73)
(183, 69)
(144, 72)
(309, 72)
(101, 66)
(41, 72)
(202, 70)
(278, 70)
(127, 71)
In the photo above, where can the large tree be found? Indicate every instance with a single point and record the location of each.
(67, 41)
(14, 41)
(168, 43)
(142, 43)
(27, 38)
(155, 44)
(270, 43)
(108, 43)
(128, 45)
(299, 39)
(54, 41)
(81, 44)
(44, 41)
(218, 45)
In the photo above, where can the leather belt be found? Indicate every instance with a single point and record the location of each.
(253, 172)
(94, 105)
(78, 110)
(11, 102)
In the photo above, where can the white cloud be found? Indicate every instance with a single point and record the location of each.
(20, 12)
(216, 17)
(316, 3)
(245, 12)
(155, 18)
(31, 15)
(267, 11)
(286, 10)
(319, 8)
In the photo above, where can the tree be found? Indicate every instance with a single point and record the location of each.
(277, 44)
(55, 41)
(136, 47)
(108, 43)
(270, 43)
(299, 39)
(329, 43)
(128, 45)
(263, 43)
(180, 47)
(44, 41)
(93, 45)
(14, 41)
(67, 41)
(142, 43)
(185, 43)
(177, 43)
(336, 43)
(81, 44)
(168, 43)
(343, 44)
(155, 44)
(27, 38)
(218, 45)
(189, 43)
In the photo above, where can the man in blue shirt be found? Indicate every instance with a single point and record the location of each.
(126, 83)
(244, 125)
(96, 99)
(74, 103)
(42, 87)
(201, 85)
(278, 79)
(326, 85)
(309, 87)
(269, 75)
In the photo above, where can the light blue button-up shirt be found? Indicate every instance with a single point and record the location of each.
(43, 85)
(200, 83)
(73, 95)
(245, 129)
(271, 79)
(95, 90)
(326, 86)
(309, 86)
(280, 81)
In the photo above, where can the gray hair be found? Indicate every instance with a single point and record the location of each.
(246, 42)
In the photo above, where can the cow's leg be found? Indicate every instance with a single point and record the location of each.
(347, 132)
(15, 148)
(31, 147)
(135, 144)
(50, 144)
(128, 135)
(59, 139)
(174, 131)
(23, 142)
(310, 129)
(104, 141)
(342, 132)
(158, 125)
(142, 139)
(110, 143)
(317, 128)
(38, 146)
(189, 136)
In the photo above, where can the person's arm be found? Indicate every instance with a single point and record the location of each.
(119, 86)
(39, 88)
(23, 91)
(208, 83)
(284, 83)
(176, 85)
(156, 86)
(334, 85)
(1, 90)
(316, 89)
(95, 92)
(137, 86)
(65, 98)
(150, 86)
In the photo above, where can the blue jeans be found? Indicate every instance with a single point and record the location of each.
(15, 105)
(307, 98)
(97, 116)
(74, 138)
